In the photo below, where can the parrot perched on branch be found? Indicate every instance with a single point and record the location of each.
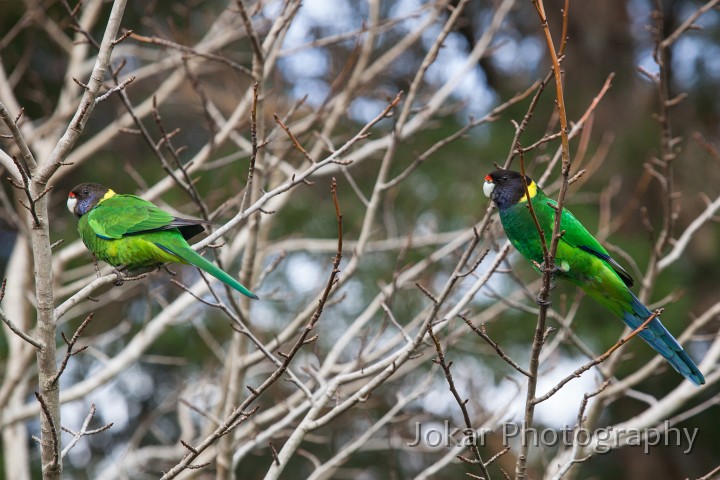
(125, 230)
(580, 259)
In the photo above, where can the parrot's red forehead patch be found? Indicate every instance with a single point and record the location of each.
(71, 195)
(488, 178)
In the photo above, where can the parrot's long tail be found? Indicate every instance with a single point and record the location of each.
(662, 341)
(193, 258)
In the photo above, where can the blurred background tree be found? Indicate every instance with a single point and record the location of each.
(164, 367)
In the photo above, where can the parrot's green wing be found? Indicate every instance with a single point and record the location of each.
(576, 235)
(622, 273)
(122, 215)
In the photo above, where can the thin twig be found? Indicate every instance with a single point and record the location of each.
(83, 431)
(252, 34)
(580, 370)
(19, 139)
(462, 403)
(11, 325)
(688, 24)
(54, 437)
(70, 345)
(191, 51)
(482, 334)
(293, 139)
(117, 88)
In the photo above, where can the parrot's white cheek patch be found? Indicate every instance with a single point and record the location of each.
(71, 202)
(488, 188)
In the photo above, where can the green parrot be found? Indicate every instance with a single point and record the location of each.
(580, 259)
(125, 230)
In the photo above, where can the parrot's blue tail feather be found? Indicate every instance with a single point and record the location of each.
(662, 341)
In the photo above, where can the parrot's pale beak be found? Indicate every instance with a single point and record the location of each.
(488, 188)
(71, 202)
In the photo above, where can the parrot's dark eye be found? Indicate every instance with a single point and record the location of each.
(504, 178)
(86, 192)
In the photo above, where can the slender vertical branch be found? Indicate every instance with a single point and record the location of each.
(49, 395)
(543, 298)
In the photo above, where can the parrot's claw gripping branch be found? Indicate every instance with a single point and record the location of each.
(124, 274)
(170, 272)
(544, 302)
(120, 279)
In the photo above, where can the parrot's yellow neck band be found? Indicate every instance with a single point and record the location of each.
(531, 190)
(110, 193)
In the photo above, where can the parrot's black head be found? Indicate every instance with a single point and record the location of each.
(85, 197)
(506, 188)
